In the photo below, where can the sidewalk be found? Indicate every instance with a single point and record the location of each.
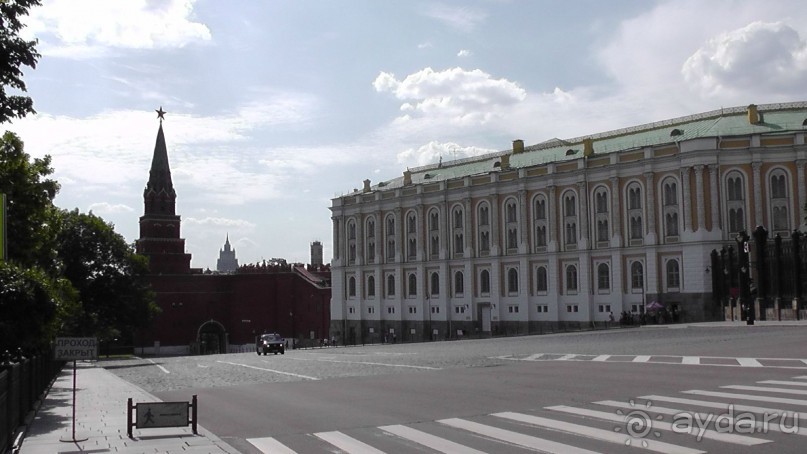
(101, 399)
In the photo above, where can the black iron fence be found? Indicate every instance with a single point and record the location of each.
(761, 279)
(22, 382)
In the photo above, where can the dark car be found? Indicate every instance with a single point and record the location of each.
(273, 342)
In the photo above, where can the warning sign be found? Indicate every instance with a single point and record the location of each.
(161, 414)
(75, 348)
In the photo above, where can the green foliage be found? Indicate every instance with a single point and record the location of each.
(28, 308)
(15, 53)
(29, 204)
(109, 277)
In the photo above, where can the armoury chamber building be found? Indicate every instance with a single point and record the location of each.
(565, 231)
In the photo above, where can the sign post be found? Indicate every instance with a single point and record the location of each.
(75, 348)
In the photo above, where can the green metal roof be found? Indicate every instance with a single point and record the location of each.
(775, 119)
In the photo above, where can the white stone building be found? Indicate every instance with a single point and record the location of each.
(566, 230)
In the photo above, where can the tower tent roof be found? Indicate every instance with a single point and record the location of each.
(160, 173)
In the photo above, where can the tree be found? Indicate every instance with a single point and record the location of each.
(15, 53)
(114, 293)
(30, 209)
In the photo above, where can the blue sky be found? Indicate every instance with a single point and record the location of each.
(276, 107)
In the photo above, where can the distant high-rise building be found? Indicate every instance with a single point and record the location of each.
(316, 253)
(227, 263)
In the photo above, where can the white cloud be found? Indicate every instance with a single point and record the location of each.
(463, 19)
(464, 53)
(86, 28)
(761, 56)
(106, 208)
(470, 97)
(240, 224)
(432, 152)
(425, 45)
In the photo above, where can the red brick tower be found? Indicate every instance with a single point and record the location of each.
(159, 226)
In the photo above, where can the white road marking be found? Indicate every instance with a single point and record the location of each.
(365, 362)
(782, 382)
(602, 358)
(269, 445)
(641, 359)
(429, 440)
(597, 434)
(533, 357)
(161, 367)
(347, 443)
(749, 362)
(777, 400)
(566, 357)
(802, 377)
(661, 425)
(269, 370)
(724, 406)
(799, 392)
(693, 360)
(515, 438)
(761, 426)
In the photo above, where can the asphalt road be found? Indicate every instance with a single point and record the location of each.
(469, 391)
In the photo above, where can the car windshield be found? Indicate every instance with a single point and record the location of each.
(271, 337)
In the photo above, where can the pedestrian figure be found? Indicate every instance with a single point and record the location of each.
(149, 417)
(611, 316)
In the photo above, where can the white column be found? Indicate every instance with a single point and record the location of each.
(494, 226)
(399, 237)
(650, 202)
(699, 197)
(756, 166)
(714, 183)
(582, 190)
(802, 194)
(359, 239)
(554, 220)
(522, 221)
(420, 234)
(616, 213)
(445, 234)
(686, 203)
(468, 247)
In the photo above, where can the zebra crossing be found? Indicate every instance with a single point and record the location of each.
(725, 361)
(717, 421)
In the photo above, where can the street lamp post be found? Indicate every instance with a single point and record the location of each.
(293, 339)
(744, 272)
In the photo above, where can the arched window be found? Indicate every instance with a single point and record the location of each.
(571, 278)
(540, 223)
(458, 232)
(435, 284)
(434, 234)
(603, 277)
(412, 288)
(370, 287)
(483, 229)
(351, 241)
(570, 220)
(636, 276)
(673, 275)
(602, 216)
(351, 287)
(541, 284)
(735, 202)
(512, 281)
(370, 249)
(411, 236)
(390, 238)
(635, 214)
(669, 205)
(779, 212)
(390, 285)
(484, 282)
(459, 284)
(511, 226)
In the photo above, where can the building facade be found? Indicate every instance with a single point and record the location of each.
(566, 230)
(226, 263)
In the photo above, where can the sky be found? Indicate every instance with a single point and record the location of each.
(277, 107)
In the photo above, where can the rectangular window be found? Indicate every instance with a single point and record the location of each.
(351, 310)
(572, 308)
(370, 310)
(435, 309)
(459, 310)
(390, 310)
(543, 308)
(413, 310)
(512, 309)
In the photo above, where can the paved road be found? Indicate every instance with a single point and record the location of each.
(552, 393)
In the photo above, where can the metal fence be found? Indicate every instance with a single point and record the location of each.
(767, 275)
(22, 382)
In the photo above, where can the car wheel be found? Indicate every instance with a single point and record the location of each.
(283, 352)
